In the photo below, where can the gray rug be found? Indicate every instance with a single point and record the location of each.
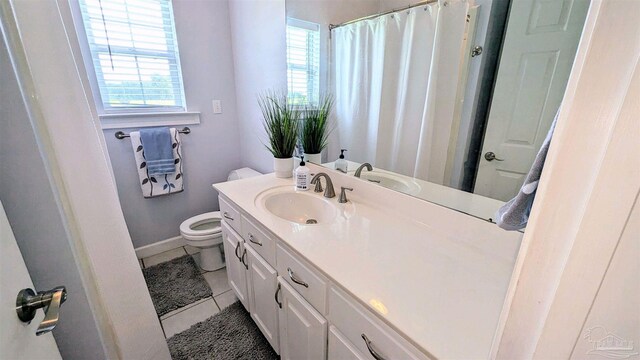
(176, 283)
(230, 334)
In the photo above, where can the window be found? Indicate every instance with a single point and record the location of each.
(135, 54)
(303, 62)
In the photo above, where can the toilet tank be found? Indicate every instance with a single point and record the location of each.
(242, 174)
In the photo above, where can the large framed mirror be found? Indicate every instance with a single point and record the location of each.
(445, 100)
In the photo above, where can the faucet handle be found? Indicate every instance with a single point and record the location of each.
(28, 302)
(343, 195)
(318, 187)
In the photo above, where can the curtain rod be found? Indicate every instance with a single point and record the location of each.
(427, 2)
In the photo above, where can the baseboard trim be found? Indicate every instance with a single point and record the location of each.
(160, 247)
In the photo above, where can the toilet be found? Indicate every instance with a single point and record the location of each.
(204, 231)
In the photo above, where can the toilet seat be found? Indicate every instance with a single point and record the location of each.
(187, 227)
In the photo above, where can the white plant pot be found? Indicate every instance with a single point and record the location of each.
(283, 167)
(313, 158)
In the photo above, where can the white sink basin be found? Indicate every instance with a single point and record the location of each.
(299, 207)
(391, 181)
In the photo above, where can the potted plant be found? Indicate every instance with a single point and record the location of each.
(281, 122)
(315, 128)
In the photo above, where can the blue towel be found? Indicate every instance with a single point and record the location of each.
(158, 150)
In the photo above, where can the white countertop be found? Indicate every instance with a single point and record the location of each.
(443, 291)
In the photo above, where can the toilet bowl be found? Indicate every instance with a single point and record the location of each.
(204, 231)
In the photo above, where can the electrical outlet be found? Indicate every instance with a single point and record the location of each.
(217, 107)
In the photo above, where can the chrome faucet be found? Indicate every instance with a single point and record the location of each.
(343, 194)
(359, 170)
(329, 192)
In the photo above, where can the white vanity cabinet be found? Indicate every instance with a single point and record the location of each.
(341, 348)
(264, 310)
(303, 330)
(299, 310)
(362, 334)
(236, 262)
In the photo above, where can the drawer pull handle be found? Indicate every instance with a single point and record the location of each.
(226, 216)
(372, 351)
(236, 251)
(251, 239)
(276, 296)
(293, 278)
(244, 255)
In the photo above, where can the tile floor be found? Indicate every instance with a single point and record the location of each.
(181, 319)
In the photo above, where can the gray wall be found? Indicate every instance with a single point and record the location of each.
(37, 222)
(259, 55)
(212, 149)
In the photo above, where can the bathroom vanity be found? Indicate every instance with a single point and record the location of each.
(383, 276)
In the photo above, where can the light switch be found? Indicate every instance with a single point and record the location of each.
(217, 108)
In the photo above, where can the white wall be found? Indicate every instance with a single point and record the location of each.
(212, 149)
(259, 60)
(615, 307)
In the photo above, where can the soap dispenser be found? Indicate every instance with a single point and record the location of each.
(302, 176)
(341, 163)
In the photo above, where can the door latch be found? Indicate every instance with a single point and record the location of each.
(28, 302)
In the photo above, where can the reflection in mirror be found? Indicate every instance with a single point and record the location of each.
(448, 100)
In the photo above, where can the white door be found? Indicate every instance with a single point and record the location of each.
(17, 339)
(236, 269)
(340, 348)
(264, 310)
(538, 52)
(303, 330)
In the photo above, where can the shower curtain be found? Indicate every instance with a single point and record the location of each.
(395, 80)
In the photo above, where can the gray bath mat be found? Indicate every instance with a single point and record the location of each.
(176, 283)
(230, 334)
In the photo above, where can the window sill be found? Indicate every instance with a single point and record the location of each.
(137, 120)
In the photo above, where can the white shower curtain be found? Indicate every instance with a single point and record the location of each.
(395, 79)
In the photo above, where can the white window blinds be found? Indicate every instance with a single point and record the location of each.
(303, 62)
(134, 53)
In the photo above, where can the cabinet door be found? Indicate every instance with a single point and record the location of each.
(235, 261)
(303, 330)
(340, 348)
(264, 310)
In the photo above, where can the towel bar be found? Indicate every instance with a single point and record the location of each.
(121, 135)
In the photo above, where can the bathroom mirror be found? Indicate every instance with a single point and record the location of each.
(448, 100)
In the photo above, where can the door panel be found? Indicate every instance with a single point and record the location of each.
(538, 52)
(17, 339)
(264, 310)
(236, 271)
(303, 330)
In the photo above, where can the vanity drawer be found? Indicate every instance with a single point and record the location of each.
(355, 322)
(230, 215)
(311, 285)
(259, 241)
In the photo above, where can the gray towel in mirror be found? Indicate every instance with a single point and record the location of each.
(514, 215)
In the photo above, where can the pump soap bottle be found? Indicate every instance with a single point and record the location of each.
(341, 163)
(302, 176)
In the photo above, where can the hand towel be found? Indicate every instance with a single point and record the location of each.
(156, 185)
(514, 215)
(158, 151)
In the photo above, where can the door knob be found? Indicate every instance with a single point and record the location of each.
(28, 302)
(490, 156)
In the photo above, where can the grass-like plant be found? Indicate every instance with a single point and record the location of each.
(281, 122)
(315, 128)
